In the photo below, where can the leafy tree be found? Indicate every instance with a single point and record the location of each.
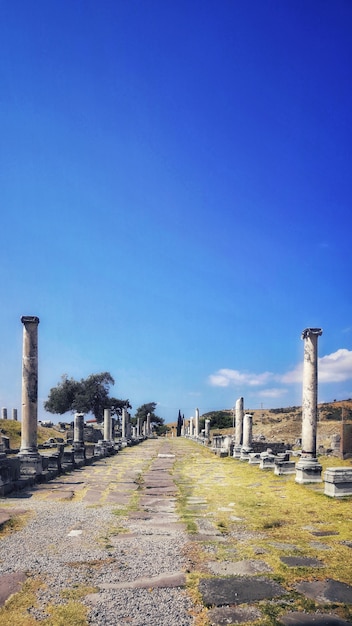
(158, 422)
(90, 395)
(219, 419)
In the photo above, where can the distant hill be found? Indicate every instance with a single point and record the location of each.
(285, 424)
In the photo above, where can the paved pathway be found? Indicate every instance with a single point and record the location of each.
(137, 575)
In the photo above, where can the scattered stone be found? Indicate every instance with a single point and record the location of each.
(223, 591)
(301, 561)
(325, 591)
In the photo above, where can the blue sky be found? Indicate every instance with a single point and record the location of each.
(175, 189)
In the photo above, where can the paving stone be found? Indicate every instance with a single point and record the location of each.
(222, 616)
(223, 591)
(325, 591)
(174, 579)
(301, 561)
(318, 619)
(239, 568)
(10, 584)
(324, 533)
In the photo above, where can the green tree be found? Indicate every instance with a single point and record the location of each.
(158, 422)
(89, 395)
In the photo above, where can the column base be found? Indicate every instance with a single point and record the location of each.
(31, 463)
(308, 471)
(237, 452)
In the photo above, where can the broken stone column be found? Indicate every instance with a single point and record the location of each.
(14, 414)
(30, 459)
(207, 428)
(308, 470)
(247, 436)
(78, 446)
(196, 423)
(238, 428)
(4, 414)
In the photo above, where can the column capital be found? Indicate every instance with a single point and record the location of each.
(29, 319)
(311, 331)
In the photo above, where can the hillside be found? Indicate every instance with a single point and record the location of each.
(12, 429)
(286, 424)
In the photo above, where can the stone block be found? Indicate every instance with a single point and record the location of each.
(338, 482)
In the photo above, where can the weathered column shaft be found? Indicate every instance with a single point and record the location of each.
(78, 429)
(123, 424)
(107, 425)
(239, 422)
(14, 414)
(191, 426)
(29, 427)
(310, 392)
(4, 413)
(148, 425)
(196, 423)
(247, 431)
(207, 428)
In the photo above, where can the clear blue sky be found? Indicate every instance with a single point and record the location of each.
(175, 189)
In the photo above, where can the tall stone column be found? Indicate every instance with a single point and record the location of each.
(107, 425)
(238, 428)
(207, 428)
(139, 427)
(124, 424)
(14, 414)
(196, 423)
(4, 414)
(148, 425)
(247, 436)
(308, 470)
(30, 459)
(191, 426)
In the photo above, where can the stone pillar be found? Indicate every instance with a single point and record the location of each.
(207, 428)
(191, 427)
(107, 425)
(247, 436)
(196, 424)
(78, 429)
(139, 427)
(123, 424)
(148, 425)
(128, 426)
(4, 414)
(79, 450)
(31, 462)
(238, 428)
(14, 414)
(308, 470)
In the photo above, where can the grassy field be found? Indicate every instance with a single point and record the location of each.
(266, 517)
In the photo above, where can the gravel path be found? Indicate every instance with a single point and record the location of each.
(135, 562)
